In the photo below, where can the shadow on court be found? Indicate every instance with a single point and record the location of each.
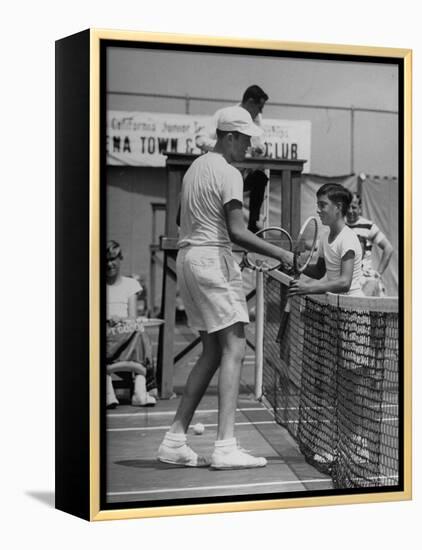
(149, 464)
(163, 466)
(134, 435)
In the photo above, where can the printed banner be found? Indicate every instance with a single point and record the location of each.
(142, 139)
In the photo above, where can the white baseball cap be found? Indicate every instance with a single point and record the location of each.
(237, 119)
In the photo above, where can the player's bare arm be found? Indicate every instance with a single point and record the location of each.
(387, 252)
(241, 236)
(339, 286)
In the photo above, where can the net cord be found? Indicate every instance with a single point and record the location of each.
(365, 303)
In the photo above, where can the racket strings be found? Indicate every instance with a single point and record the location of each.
(275, 236)
(306, 245)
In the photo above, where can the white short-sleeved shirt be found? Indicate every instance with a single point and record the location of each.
(334, 252)
(209, 184)
(118, 296)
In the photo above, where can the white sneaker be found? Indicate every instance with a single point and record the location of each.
(147, 401)
(182, 456)
(236, 459)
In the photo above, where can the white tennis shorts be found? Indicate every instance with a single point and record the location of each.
(210, 284)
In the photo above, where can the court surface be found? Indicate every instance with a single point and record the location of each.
(134, 435)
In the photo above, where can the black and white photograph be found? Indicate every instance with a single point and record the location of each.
(252, 258)
(108, 110)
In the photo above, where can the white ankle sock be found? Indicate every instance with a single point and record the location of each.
(225, 444)
(174, 440)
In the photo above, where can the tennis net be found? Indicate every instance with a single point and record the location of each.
(333, 381)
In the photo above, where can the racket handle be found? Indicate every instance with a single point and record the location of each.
(283, 323)
(285, 316)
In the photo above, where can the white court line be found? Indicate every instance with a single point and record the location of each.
(149, 428)
(171, 413)
(209, 488)
(325, 421)
(383, 406)
(259, 423)
(211, 411)
(152, 428)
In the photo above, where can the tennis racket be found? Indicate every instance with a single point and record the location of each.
(260, 262)
(303, 252)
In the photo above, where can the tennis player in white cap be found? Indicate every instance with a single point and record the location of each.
(211, 288)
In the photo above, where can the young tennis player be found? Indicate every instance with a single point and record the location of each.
(339, 262)
(339, 265)
(211, 288)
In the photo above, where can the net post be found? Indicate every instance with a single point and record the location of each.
(259, 334)
(266, 202)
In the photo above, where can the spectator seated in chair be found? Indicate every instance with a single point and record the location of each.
(128, 348)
